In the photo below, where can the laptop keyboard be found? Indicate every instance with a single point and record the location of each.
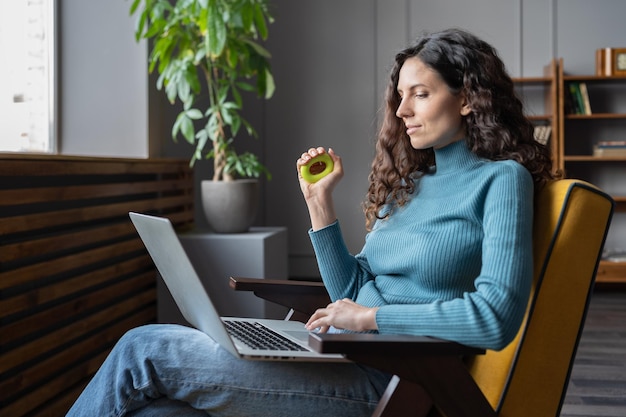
(259, 337)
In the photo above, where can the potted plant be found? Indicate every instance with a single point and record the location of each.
(209, 51)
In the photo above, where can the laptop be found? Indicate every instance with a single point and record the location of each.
(246, 338)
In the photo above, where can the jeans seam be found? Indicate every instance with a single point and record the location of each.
(136, 390)
(276, 392)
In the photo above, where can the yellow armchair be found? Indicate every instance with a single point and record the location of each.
(527, 378)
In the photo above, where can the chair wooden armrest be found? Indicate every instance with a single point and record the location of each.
(388, 345)
(282, 285)
(428, 371)
(303, 297)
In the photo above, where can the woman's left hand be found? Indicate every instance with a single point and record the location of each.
(344, 314)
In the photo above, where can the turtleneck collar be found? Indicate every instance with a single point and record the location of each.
(454, 157)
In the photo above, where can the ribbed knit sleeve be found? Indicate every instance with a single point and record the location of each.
(344, 275)
(455, 262)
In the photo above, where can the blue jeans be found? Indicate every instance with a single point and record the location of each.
(170, 370)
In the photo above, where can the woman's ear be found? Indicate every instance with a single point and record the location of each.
(465, 107)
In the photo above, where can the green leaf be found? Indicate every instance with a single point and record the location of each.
(258, 48)
(202, 138)
(155, 29)
(237, 97)
(194, 114)
(245, 86)
(227, 116)
(141, 23)
(249, 128)
(187, 129)
(176, 127)
(160, 81)
(270, 87)
(216, 30)
(184, 92)
(212, 127)
(230, 105)
(134, 6)
(235, 125)
(259, 19)
(171, 92)
(200, 54)
(232, 57)
(247, 16)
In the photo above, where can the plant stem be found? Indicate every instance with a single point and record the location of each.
(220, 137)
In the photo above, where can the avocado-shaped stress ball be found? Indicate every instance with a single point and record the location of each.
(317, 168)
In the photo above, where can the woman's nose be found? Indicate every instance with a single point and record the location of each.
(402, 110)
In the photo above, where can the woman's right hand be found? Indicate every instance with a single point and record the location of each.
(327, 183)
(318, 195)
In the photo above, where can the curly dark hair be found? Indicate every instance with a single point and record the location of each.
(496, 128)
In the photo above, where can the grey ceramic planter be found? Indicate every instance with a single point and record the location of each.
(230, 206)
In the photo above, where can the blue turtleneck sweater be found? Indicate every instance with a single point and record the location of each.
(455, 262)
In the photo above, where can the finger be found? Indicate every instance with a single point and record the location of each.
(313, 152)
(310, 154)
(304, 158)
(319, 313)
(319, 326)
(316, 324)
(319, 319)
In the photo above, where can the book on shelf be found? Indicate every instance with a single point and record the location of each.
(604, 62)
(585, 97)
(578, 99)
(542, 133)
(610, 148)
(599, 61)
(568, 101)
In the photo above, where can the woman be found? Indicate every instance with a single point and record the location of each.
(449, 210)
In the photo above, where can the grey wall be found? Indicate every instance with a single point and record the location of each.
(103, 89)
(330, 60)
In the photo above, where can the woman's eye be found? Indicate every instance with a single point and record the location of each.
(421, 95)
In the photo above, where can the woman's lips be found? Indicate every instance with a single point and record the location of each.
(411, 129)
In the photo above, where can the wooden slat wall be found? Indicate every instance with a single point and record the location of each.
(74, 276)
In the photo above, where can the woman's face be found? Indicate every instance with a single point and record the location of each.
(431, 113)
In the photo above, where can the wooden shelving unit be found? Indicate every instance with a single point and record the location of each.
(573, 135)
(611, 272)
(577, 135)
(540, 96)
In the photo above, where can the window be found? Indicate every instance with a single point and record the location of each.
(27, 76)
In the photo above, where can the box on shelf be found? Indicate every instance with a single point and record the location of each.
(611, 62)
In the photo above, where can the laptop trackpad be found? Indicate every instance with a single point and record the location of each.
(302, 336)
